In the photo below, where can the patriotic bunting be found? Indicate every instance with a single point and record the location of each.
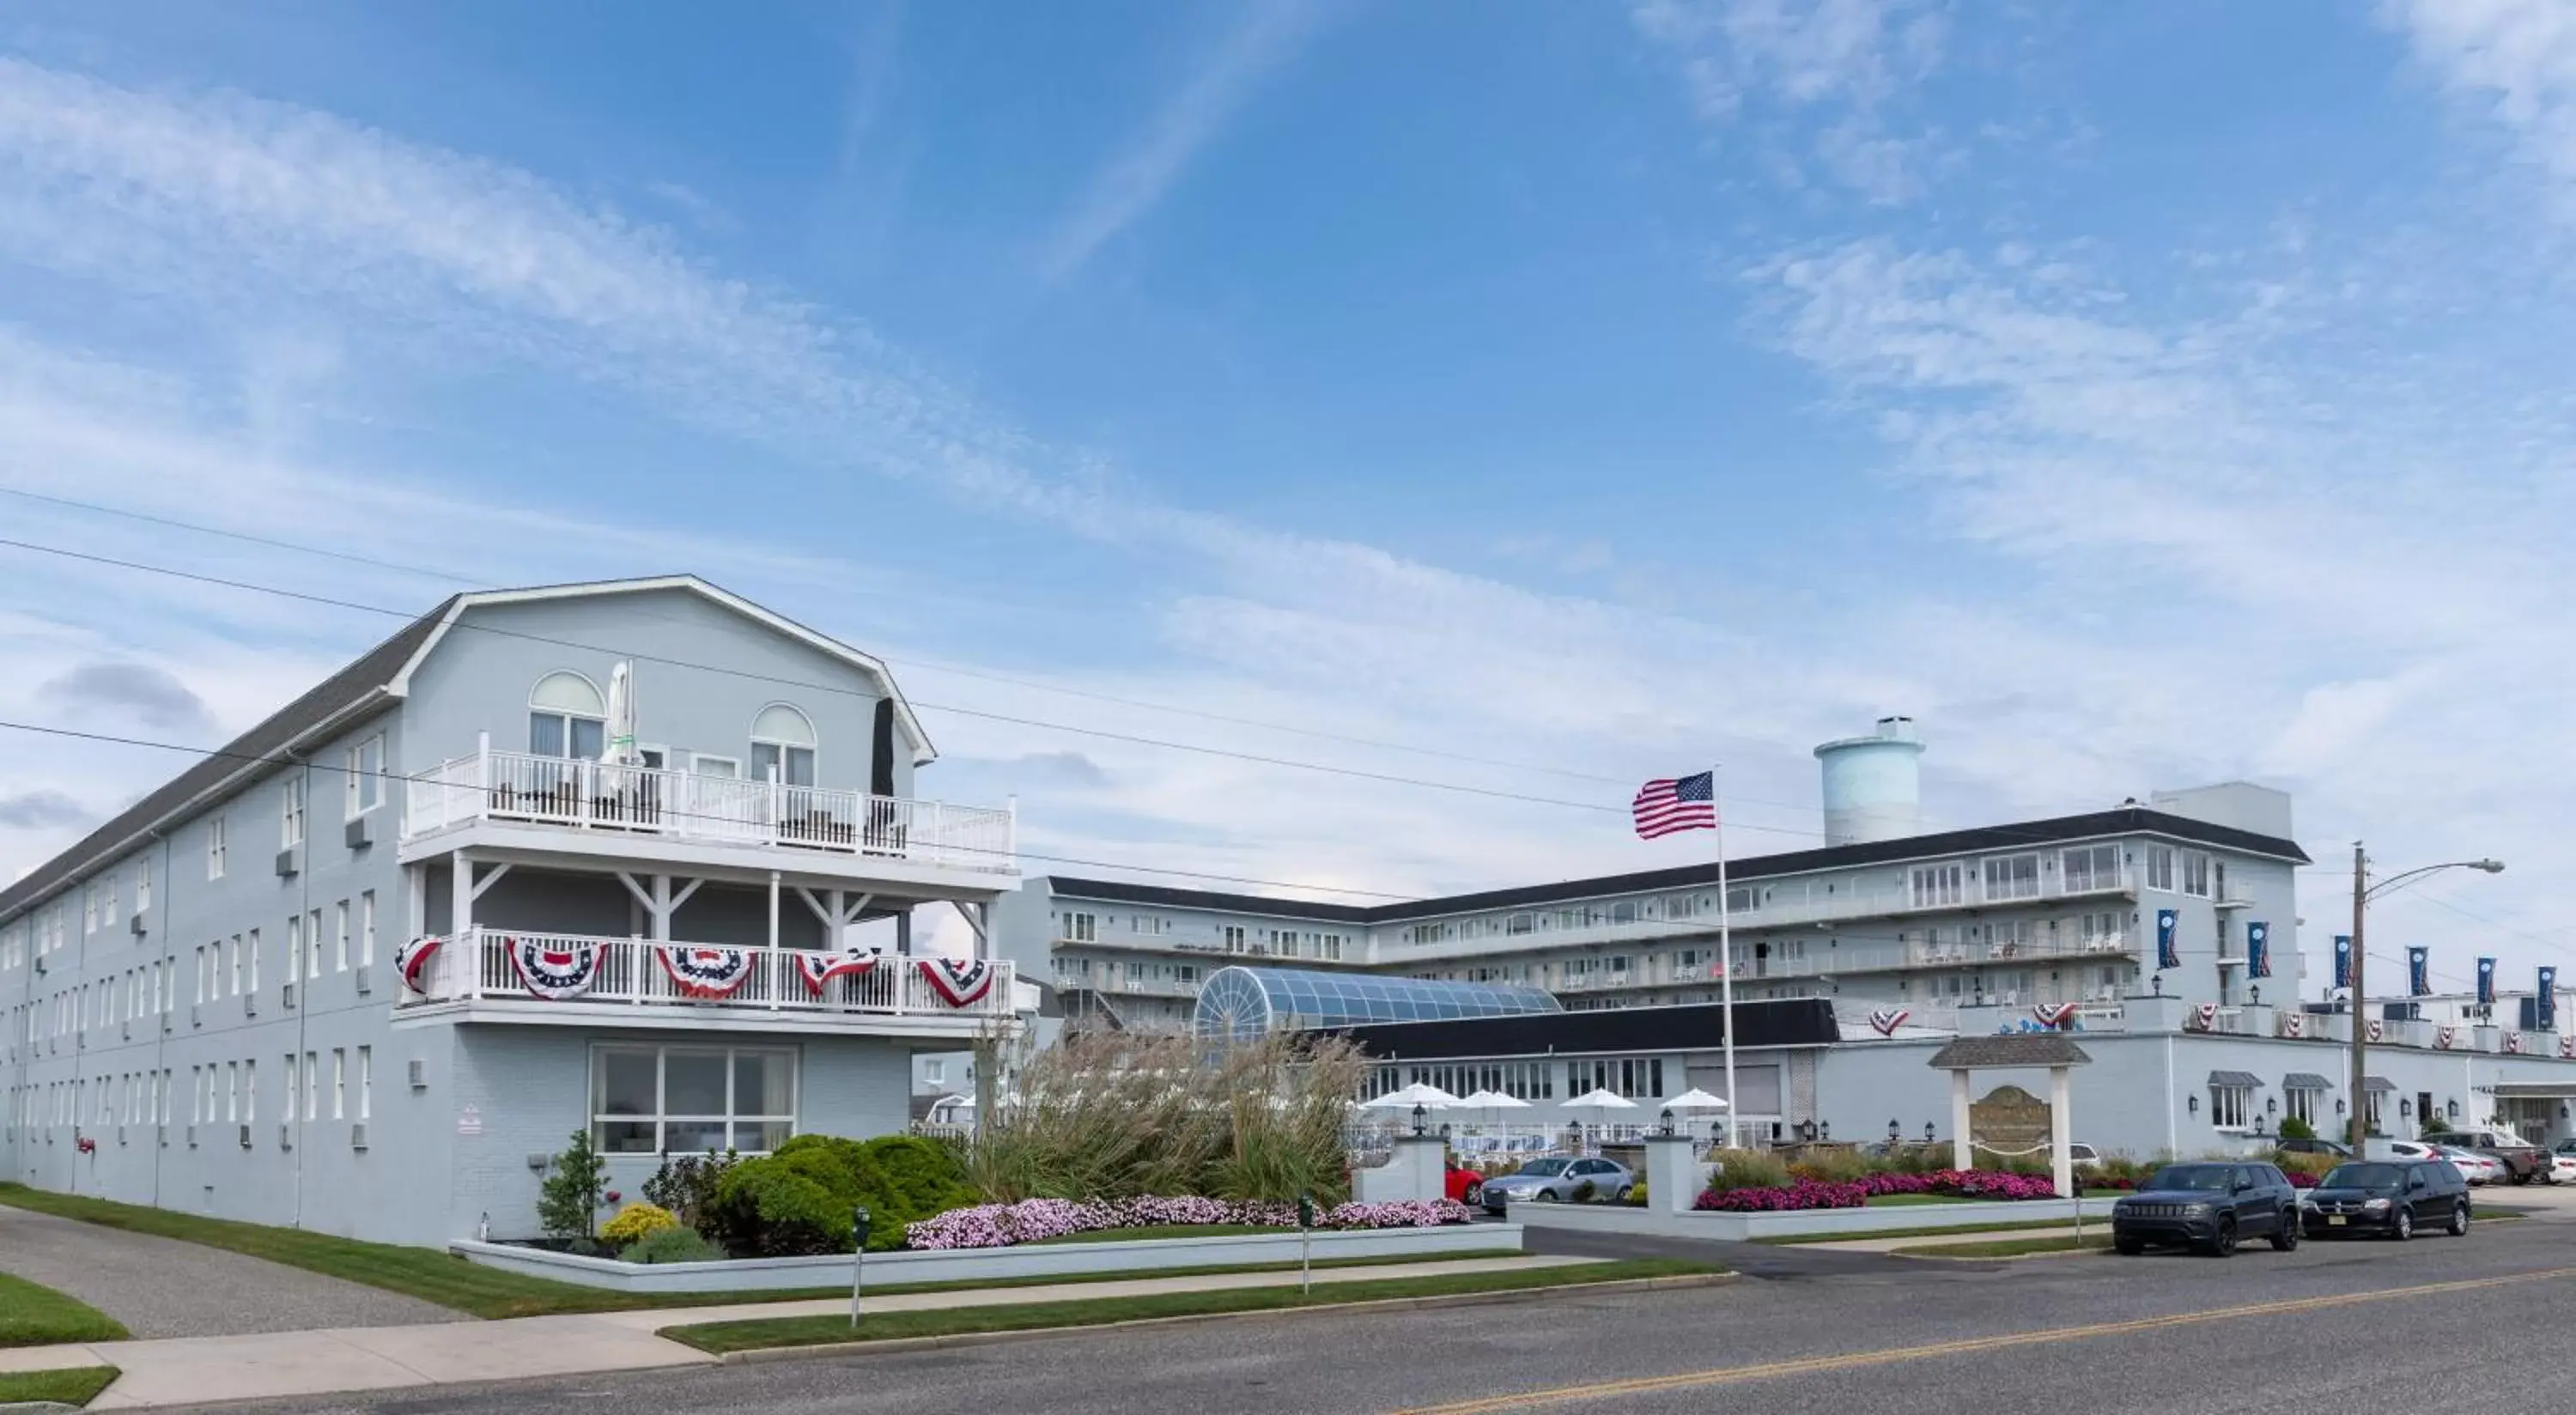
(2444, 1036)
(818, 969)
(410, 958)
(960, 982)
(2375, 1031)
(705, 972)
(1886, 1020)
(557, 972)
(2567, 1048)
(2294, 1024)
(2513, 1043)
(2053, 1015)
(2204, 1017)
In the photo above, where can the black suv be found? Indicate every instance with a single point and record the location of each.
(2391, 1197)
(2208, 1207)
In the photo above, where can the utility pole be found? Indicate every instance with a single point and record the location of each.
(2360, 1125)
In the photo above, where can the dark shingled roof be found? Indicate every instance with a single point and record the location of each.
(2305, 1081)
(326, 700)
(2377, 1083)
(2010, 1049)
(2245, 1079)
(2127, 820)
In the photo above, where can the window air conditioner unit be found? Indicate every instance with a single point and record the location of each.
(289, 860)
(138, 924)
(366, 979)
(286, 996)
(358, 1136)
(245, 1135)
(419, 1072)
(355, 835)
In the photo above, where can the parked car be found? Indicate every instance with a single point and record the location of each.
(2390, 1197)
(2210, 1207)
(2082, 1155)
(1558, 1180)
(2522, 1160)
(2315, 1146)
(2562, 1163)
(2473, 1167)
(1466, 1186)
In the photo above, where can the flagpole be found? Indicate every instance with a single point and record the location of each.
(1725, 953)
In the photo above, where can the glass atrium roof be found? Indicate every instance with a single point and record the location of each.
(1247, 1002)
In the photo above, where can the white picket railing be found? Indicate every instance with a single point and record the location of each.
(477, 966)
(587, 795)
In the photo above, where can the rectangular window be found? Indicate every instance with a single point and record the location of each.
(691, 1099)
(367, 929)
(252, 948)
(339, 1083)
(215, 848)
(1937, 886)
(366, 776)
(2301, 1105)
(313, 943)
(312, 1084)
(366, 1082)
(294, 945)
(142, 889)
(2088, 868)
(288, 1113)
(290, 821)
(1081, 928)
(1234, 938)
(2195, 874)
(2160, 867)
(250, 1091)
(2012, 877)
(2229, 1105)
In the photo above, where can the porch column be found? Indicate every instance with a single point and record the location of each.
(2061, 1132)
(460, 894)
(1962, 1154)
(773, 909)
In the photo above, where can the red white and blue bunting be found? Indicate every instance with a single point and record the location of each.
(2375, 1031)
(2567, 1048)
(698, 971)
(2293, 1025)
(1886, 1020)
(2052, 1015)
(410, 958)
(559, 971)
(2443, 1037)
(960, 982)
(2203, 1018)
(2513, 1043)
(818, 969)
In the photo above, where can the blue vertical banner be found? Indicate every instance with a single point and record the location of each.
(2419, 971)
(2486, 982)
(2258, 949)
(2168, 954)
(2544, 1002)
(2343, 960)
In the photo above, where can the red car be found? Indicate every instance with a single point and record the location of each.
(1465, 1185)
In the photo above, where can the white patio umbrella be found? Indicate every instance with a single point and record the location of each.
(1598, 1099)
(1491, 1100)
(1420, 1093)
(1695, 1099)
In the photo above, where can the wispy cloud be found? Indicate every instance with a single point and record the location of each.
(1838, 63)
(2516, 56)
(1264, 36)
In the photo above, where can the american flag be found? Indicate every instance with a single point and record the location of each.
(1681, 803)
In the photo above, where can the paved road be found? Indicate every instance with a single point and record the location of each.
(162, 1287)
(2478, 1319)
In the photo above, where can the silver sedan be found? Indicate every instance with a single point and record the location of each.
(1558, 1180)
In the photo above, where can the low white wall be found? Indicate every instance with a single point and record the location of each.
(1796, 1223)
(994, 1264)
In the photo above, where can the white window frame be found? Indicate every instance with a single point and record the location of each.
(785, 749)
(566, 716)
(215, 847)
(2195, 873)
(290, 816)
(2300, 1103)
(2231, 1107)
(366, 1082)
(313, 944)
(700, 761)
(340, 937)
(1938, 886)
(365, 774)
(142, 889)
(2091, 871)
(2160, 868)
(661, 1118)
(367, 928)
(1081, 926)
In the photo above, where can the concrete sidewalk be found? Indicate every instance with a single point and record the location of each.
(277, 1365)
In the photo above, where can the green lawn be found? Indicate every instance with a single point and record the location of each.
(1164, 1230)
(451, 1281)
(2008, 1247)
(77, 1386)
(721, 1337)
(39, 1316)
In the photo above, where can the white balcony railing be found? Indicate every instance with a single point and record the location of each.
(586, 795)
(478, 966)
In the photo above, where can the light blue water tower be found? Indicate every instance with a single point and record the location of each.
(1874, 784)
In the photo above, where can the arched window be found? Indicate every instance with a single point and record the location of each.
(782, 739)
(566, 717)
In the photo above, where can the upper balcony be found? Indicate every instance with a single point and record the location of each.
(588, 807)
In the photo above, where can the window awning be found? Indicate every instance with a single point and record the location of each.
(2235, 1080)
(2376, 1083)
(2305, 1081)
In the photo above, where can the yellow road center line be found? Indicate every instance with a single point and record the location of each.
(1854, 1360)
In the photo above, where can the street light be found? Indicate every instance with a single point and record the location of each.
(2363, 891)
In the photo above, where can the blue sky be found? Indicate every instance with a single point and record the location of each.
(2138, 398)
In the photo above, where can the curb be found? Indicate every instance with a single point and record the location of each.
(763, 1355)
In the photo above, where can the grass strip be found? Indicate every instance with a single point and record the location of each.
(1793, 1240)
(77, 1386)
(434, 1275)
(722, 1337)
(2008, 1247)
(35, 1315)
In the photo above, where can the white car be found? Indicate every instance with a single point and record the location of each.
(2562, 1163)
(2473, 1167)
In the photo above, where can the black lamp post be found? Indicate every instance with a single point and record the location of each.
(1927, 1132)
(1418, 1116)
(1825, 1130)
(1895, 1132)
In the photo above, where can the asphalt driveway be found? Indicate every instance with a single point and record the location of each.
(163, 1287)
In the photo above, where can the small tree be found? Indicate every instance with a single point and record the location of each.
(569, 1202)
(2293, 1128)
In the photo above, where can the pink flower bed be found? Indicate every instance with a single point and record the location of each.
(1033, 1220)
(1837, 1194)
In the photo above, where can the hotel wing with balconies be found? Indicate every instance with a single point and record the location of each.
(361, 969)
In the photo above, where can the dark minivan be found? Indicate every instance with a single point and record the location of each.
(2391, 1197)
(2209, 1207)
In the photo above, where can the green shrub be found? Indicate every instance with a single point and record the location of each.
(568, 1202)
(2293, 1128)
(635, 1223)
(1747, 1169)
(798, 1200)
(1586, 1192)
(686, 1184)
(672, 1245)
(922, 1177)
